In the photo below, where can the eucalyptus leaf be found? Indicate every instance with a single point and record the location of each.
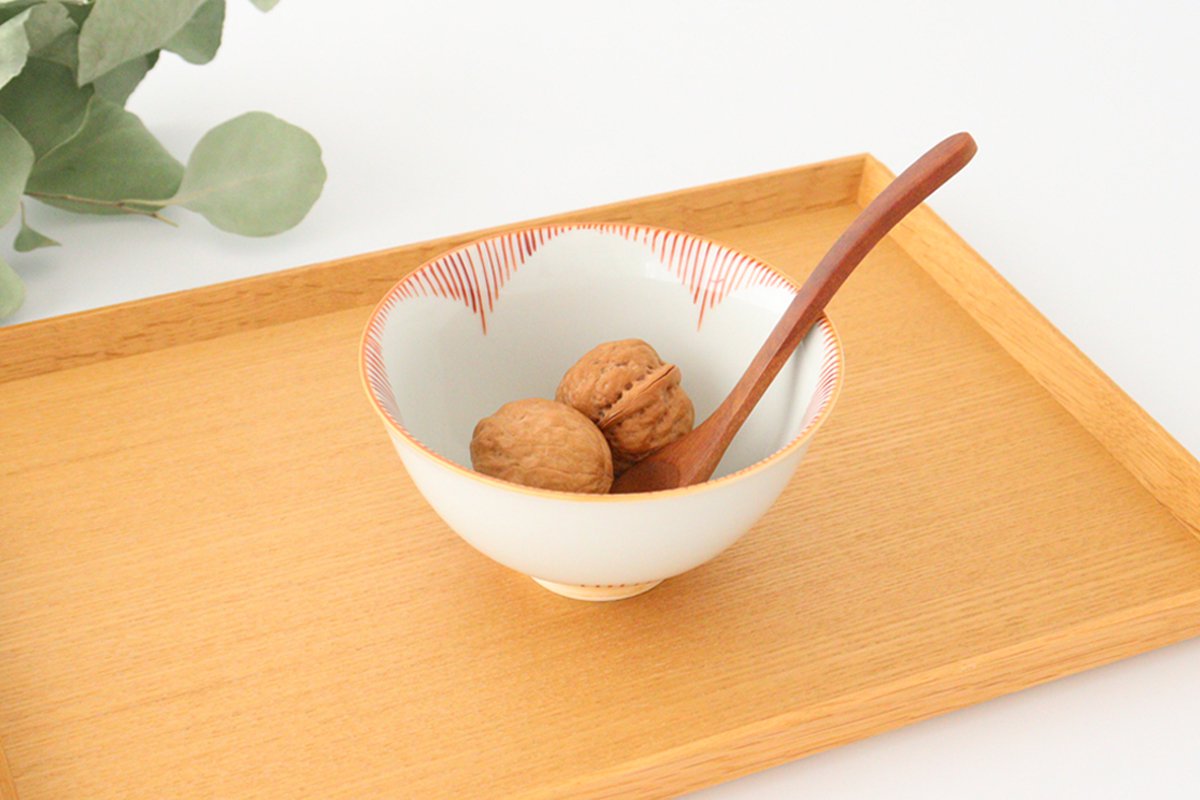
(198, 41)
(51, 33)
(14, 47)
(113, 165)
(116, 85)
(118, 30)
(63, 50)
(67, 67)
(12, 291)
(44, 104)
(46, 22)
(5, 5)
(11, 8)
(78, 9)
(255, 175)
(29, 239)
(16, 156)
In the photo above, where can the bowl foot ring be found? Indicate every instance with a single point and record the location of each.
(598, 593)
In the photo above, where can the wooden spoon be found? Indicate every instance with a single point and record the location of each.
(693, 458)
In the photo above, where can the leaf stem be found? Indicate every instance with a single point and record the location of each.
(126, 206)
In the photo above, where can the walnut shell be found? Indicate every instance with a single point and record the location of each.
(632, 396)
(541, 443)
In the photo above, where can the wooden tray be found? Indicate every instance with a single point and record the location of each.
(217, 581)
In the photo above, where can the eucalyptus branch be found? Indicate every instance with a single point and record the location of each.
(124, 206)
(69, 74)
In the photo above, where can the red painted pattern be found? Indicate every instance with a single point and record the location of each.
(475, 274)
(827, 379)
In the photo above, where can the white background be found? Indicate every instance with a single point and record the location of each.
(442, 117)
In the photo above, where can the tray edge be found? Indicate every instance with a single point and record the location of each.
(1160, 463)
(208, 312)
(794, 735)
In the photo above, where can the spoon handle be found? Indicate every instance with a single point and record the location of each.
(904, 194)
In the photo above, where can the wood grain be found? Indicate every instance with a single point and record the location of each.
(773, 742)
(1163, 465)
(8, 790)
(219, 582)
(211, 311)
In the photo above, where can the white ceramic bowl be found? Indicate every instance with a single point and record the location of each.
(503, 318)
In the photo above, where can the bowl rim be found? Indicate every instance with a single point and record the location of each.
(394, 425)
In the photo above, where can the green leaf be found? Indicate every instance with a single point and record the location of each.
(112, 162)
(45, 24)
(29, 239)
(118, 30)
(16, 156)
(265, 5)
(116, 85)
(255, 175)
(10, 8)
(197, 41)
(14, 47)
(45, 105)
(63, 50)
(12, 291)
(5, 5)
(78, 9)
(51, 29)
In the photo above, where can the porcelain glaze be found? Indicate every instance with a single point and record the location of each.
(503, 318)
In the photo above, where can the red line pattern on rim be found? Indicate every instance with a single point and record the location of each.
(827, 379)
(474, 275)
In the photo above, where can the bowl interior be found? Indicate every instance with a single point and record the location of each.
(503, 319)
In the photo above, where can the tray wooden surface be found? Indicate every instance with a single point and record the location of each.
(216, 579)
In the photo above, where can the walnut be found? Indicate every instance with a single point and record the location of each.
(632, 395)
(541, 443)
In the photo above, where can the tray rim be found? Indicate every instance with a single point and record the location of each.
(793, 735)
(1139, 443)
(1160, 463)
(207, 312)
